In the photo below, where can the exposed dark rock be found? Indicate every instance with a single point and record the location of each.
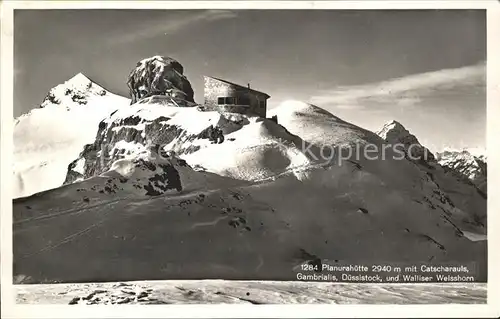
(363, 210)
(214, 134)
(51, 98)
(97, 158)
(159, 75)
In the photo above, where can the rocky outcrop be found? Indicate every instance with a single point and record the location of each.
(128, 131)
(160, 75)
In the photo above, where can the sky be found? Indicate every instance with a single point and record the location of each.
(423, 68)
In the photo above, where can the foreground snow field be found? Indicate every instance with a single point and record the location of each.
(254, 292)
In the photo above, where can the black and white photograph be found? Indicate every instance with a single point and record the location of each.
(247, 155)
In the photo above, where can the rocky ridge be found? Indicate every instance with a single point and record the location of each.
(135, 128)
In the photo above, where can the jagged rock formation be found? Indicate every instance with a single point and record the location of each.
(162, 76)
(129, 131)
(465, 165)
(394, 132)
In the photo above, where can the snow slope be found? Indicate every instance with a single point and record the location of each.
(260, 150)
(384, 165)
(48, 138)
(139, 216)
(100, 229)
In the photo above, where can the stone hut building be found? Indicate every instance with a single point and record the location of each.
(226, 96)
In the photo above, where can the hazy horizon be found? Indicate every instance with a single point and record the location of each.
(425, 68)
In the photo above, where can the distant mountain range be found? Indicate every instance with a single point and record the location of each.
(467, 165)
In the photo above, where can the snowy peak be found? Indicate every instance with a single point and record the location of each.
(42, 148)
(75, 91)
(395, 133)
(78, 80)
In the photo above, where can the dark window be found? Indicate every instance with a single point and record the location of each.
(226, 100)
(262, 103)
(243, 100)
(233, 101)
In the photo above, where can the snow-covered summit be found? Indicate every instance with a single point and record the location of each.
(79, 80)
(73, 92)
(394, 132)
(50, 136)
(393, 126)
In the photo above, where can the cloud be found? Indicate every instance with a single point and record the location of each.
(405, 91)
(172, 24)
